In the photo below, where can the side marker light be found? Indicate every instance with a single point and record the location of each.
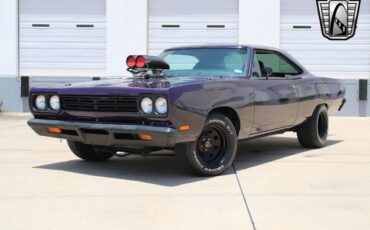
(184, 127)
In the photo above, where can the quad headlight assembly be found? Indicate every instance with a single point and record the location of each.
(40, 102)
(54, 102)
(151, 105)
(161, 105)
(46, 103)
(146, 105)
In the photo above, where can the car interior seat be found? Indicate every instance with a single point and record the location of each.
(206, 65)
(262, 67)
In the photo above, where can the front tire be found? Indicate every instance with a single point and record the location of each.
(313, 133)
(89, 152)
(214, 150)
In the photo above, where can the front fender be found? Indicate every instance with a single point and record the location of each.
(192, 103)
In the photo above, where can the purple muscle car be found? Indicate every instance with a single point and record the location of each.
(198, 101)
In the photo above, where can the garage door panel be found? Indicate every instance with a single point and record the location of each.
(315, 27)
(61, 37)
(50, 18)
(312, 54)
(197, 19)
(177, 42)
(343, 75)
(194, 25)
(178, 23)
(363, 19)
(165, 45)
(50, 55)
(337, 62)
(159, 34)
(314, 34)
(332, 60)
(66, 40)
(361, 33)
(65, 66)
(339, 68)
(291, 40)
(156, 52)
(298, 19)
(324, 47)
(63, 25)
(61, 7)
(188, 9)
(86, 73)
(192, 37)
(63, 45)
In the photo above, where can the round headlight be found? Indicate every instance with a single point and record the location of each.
(54, 102)
(40, 102)
(161, 105)
(146, 105)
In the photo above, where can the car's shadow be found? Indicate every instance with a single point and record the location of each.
(166, 171)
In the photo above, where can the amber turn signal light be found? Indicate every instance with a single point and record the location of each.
(184, 127)
(145, 137)
(53, 130)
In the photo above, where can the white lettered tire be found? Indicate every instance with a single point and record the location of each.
(214, 150)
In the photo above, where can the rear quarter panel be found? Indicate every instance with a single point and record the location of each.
(314, 91)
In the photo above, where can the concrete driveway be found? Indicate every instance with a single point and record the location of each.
(275, 184)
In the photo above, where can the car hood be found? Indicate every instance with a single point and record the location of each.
(129, 84)
(143, 83)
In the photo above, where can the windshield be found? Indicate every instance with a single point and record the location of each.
(206, 62)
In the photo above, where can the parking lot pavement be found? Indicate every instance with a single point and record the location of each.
(277, 185)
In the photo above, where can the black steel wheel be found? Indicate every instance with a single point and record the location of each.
(313, 133)
(211, 146)
(214, 150)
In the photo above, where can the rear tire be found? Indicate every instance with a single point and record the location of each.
(313, 133)
(214, 150)
(89, 152)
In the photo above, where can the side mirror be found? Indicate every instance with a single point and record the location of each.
(268, 72)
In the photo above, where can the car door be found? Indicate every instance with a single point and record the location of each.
(276, 98)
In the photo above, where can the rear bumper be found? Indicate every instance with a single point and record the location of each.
(117, 135)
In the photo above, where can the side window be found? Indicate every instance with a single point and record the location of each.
(276, 62)
(256, 70)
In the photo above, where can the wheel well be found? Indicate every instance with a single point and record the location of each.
(231, 114)
(324, 104)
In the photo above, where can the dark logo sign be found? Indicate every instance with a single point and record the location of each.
(338, 18)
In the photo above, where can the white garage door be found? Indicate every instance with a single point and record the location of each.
(190, 22)
(301, 36)
(62, 37)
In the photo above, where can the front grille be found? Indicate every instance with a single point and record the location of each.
(100, 103)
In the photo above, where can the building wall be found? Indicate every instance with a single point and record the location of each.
(259, 22)
(126, 33)
(353, 106)
(10, 99)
